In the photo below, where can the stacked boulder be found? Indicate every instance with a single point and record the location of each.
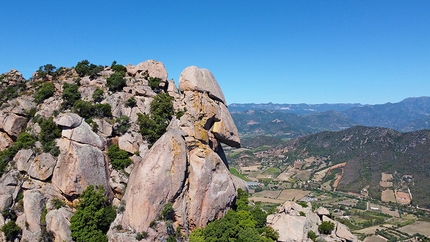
(186, 167)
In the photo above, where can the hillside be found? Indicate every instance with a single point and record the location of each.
(295, 120)
(366, 152)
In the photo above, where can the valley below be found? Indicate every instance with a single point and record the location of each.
(374, 180)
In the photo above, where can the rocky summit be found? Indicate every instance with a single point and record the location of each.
(104, 126)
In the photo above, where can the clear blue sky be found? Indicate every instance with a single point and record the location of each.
(259, 51)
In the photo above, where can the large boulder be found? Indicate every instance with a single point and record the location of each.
(5, 141)
(42, 166)
(155, 181)
(154, 68)
(210, 186)
(68, 120)
(201, 80)
(58, 222)
(34, 202)
(225, 130)
(23, 159)
(11, 123)
(78, 166)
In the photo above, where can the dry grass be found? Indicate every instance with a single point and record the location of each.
(386, 177)
(417, 227)
(385, 184)
(387, 196)
(375, 238)
(266, 200)
(267, 194)
(403, 197)
(290, 194)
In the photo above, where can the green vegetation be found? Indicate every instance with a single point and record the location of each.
(153, 126)
(326, 227)
(10, 92)
(131, 102)
(154, 83)
(86, 109)
(11, 230)
(85, 68)
(98, 95)
(93, 216)
(118, 68)
(23, 141)
(303, 204)
(48, 133)
(312, 235)
(58, 203)
(47, 90)
(70, 95)
(116, 81)
(235, 172)
(118, 158)
(122, 124)
(167, 213)
(246, 223)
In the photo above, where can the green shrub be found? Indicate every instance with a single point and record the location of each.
(87, 109)
(70, 95)
(23, 141)
(11, 230)
(122, 124)
(84, 68)
(326, 227)
(153, 126)
(303, 204)
(141, 235)
(312, 235)
(302, 214)
(154, 83)
(93, 216)
(131, 102)
(118, 68)
(98, 95)
(167, 213)
(47, 90)
(48, 133)
(118, 158)
(116, 81)
(58, 203)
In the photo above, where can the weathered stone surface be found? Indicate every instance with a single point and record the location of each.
(343, 232)
(210, 186)
(130, 142)
(68, 120)
(323, 211)
(58, 222)
(202, 80)
(225, 130)
(78, 166)
(23, 159)
(42, 166)
(34, 202)
(290, 224)
(104, 128)
(20, 105)
(11, 123)
(11, 78)
(5, 141)
(154, 68)
(49, 106)
(155, 181)
(84, 134)
(9, 187)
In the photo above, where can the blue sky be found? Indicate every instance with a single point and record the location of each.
(284, 51)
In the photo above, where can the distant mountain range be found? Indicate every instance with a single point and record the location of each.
(295, 120)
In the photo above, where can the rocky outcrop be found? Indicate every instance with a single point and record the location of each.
(201, 80)
(186, 167)
(78, 166)
(293, 222)
(11, 78)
